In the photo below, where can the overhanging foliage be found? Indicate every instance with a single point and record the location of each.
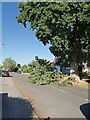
(64, 25)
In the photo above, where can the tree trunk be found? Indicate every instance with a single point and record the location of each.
(74, 66)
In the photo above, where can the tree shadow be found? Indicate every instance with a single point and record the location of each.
(7, 76)
(88, 81)
(15, 108)
(85, 109)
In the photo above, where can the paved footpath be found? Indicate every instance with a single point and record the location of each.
(12, 101)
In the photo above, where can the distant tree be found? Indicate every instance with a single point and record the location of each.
(15, 69)
(29, 64)
(24, 68)
(19, 65)
(1, 67)
(9, 64)
(63, 25)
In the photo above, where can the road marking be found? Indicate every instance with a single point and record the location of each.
(59, 89)
(66, 92)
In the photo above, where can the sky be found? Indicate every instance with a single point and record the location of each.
(20, 43)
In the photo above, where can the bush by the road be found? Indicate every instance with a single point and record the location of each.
(42, 74)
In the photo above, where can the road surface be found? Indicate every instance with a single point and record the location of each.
(54, 101)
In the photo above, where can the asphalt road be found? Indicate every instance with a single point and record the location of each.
(54, 101)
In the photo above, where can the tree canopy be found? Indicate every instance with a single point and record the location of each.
(63, 25)
(9, 64)
(1, 67)
(18, 65)
(24, 68)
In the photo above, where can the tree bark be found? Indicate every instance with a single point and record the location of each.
(74, 66)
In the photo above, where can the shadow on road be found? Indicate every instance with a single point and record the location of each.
(15, 108)
(88, 81)
(85, 109)
(6, 76)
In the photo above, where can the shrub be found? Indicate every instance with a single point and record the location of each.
(42, 74)
(24, 69)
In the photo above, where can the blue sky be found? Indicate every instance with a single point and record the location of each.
(20, 43)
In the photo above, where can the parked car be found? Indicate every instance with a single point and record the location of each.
(4, 73)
